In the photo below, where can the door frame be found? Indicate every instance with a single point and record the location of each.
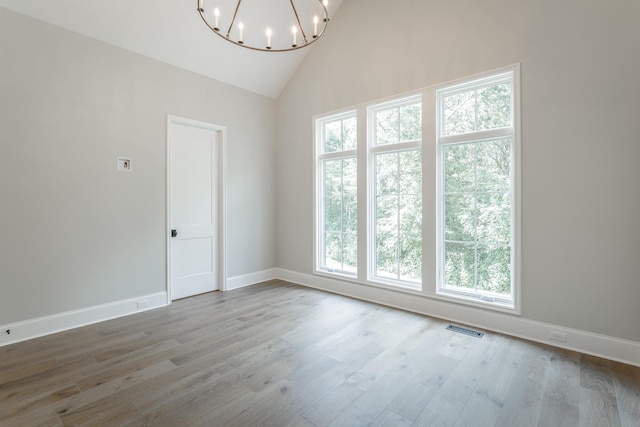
(222, 199)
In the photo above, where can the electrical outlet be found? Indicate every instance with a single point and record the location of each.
(143, 303)
(558, 336)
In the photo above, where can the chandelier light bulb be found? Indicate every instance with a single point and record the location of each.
(240, 31)
(294, 30)
(216, 16)
(315, 26)
(269, 38)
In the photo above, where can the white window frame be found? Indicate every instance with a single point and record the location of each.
(319, 208)
(510, 75)
(372, 151)
(431, 182)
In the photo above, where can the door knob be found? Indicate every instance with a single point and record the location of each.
(174, 233)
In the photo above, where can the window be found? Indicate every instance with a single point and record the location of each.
(421, 193)
(338, 208)
(476, 192)
(396, 199)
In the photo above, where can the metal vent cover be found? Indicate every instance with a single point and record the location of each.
(465, 331)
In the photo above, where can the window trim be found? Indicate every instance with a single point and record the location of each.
(430, 161)
(512, 75)
(372, 151)
(318, 200)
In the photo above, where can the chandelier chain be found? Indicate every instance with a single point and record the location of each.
(235, 14)
(295, 12)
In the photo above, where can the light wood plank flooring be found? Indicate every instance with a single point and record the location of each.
(277, 354)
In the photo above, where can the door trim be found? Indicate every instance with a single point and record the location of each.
(222, 199)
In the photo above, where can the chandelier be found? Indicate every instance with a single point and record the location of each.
(266, 25)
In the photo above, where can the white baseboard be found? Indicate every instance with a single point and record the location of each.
(607, 347)
(612, 348)
(34, 328)
(243, 280)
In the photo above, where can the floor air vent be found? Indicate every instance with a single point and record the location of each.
(465, 331)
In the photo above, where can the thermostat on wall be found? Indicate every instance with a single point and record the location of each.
(124, 164)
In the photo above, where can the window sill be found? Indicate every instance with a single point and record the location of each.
(477, 301)
(416, 290)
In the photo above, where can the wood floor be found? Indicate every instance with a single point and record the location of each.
(278, 354)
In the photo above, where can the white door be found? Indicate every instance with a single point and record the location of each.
(194, 200)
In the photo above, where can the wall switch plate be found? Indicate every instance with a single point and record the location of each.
(124, 164)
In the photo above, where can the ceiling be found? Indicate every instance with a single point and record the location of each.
(172, 31)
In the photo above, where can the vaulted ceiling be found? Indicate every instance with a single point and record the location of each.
(171, 31)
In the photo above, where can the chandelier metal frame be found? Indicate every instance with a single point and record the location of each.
(306, 41)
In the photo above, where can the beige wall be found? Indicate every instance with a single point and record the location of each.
(75, 233)
(580, 134)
